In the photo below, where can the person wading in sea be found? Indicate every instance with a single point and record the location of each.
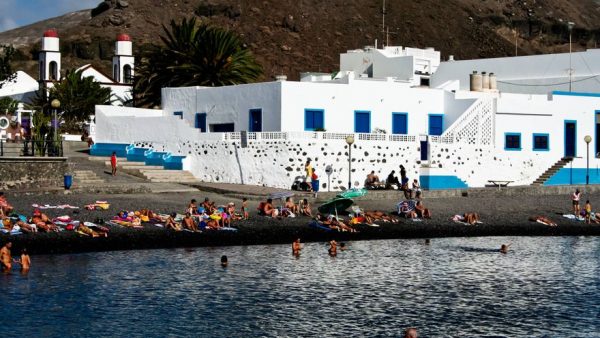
(296, 247)
(5, 257)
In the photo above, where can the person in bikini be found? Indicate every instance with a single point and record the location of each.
(188, 223)
(25, 261)
(421, 210)
(208, 206)
(171, 224)
(245, 208)
(42, 222)
(296, 247)
(305, 208)
(575, 197)
(193, 207)
(5, 207)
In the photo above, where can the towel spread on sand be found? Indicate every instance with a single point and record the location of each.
(48, 206)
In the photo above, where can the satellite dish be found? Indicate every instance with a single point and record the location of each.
(4, 122)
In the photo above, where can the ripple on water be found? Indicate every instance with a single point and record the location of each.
(453, 287)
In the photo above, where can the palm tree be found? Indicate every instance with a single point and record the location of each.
(78, 98)
(193, 55)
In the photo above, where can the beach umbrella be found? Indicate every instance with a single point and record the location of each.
(335, 205)
(352, 193)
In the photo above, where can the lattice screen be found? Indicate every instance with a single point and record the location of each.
(476, 125)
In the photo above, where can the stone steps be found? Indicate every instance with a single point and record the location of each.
(151, 173)
(551, 171)
(86, 177)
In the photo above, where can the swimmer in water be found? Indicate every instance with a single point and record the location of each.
(504, 248)
(224, 261)
(343, 246)
(427, 241)
(411, 332)
(296, 247)
(333, 248)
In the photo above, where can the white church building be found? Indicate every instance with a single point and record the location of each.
(24, 87)
(450, 129)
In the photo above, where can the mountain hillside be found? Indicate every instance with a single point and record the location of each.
(289, 37)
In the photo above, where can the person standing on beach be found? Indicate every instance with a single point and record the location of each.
(296, 247)
(6, 258)
(588, 212)
(113, 163)
(309, 171)
(575, 197)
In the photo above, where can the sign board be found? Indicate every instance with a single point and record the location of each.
(328, 170)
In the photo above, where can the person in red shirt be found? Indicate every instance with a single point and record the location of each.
(113, 163)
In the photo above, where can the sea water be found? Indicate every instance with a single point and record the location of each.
(454, 287)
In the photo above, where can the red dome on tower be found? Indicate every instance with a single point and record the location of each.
(123, 37)
(51, 33)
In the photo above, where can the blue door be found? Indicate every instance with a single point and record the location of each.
(201, 122)
(399, 123)
(424, 150)
(570, 138)
(436, 124)
(362, 121)
(255, 120)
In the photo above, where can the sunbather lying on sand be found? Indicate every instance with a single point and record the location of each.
(88, 231)
(469, 218)
(543, 220)
(42, 222)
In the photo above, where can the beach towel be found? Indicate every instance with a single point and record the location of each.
(573, 217)
(48, 206)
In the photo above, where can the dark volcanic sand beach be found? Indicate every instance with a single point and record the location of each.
(501, 216)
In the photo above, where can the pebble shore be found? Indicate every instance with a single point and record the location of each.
(501, 216)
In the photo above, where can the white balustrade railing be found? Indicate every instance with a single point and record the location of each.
(300, 135)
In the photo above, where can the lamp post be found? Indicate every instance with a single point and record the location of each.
(587, 140)
(350, 141)
(55, 106)
(570, 25)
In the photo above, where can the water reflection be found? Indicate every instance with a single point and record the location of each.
(452, 287)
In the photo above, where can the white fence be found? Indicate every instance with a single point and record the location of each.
(272, 136)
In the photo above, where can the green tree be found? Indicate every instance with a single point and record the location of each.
(6, 72)
(78, 97)
(8, 105)
(193, 55)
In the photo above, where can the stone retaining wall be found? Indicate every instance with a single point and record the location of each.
(32, 172)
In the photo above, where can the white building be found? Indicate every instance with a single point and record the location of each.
(448, 137)
(532, 74)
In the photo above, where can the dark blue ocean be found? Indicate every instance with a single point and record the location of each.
(455, 287)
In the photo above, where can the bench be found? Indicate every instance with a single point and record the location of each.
(499, 183)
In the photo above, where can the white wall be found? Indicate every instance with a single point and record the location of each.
(230, 104)
(341, 100)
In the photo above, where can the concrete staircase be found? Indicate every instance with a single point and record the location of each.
(552, 170)
(86, 177)
(155, 174)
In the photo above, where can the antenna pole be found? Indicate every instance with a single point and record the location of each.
(383, 18)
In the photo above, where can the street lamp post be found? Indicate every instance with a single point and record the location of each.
(350, 141)
(55, 106)
(570, 25)
(587, 140)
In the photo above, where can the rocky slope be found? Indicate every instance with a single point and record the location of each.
(289, 37)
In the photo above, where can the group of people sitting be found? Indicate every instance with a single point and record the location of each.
(413, 209)
(334, 223)
(289, 208)
(392, 182)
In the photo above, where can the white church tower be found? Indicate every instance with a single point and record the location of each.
(49, 66)
(123, 61)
